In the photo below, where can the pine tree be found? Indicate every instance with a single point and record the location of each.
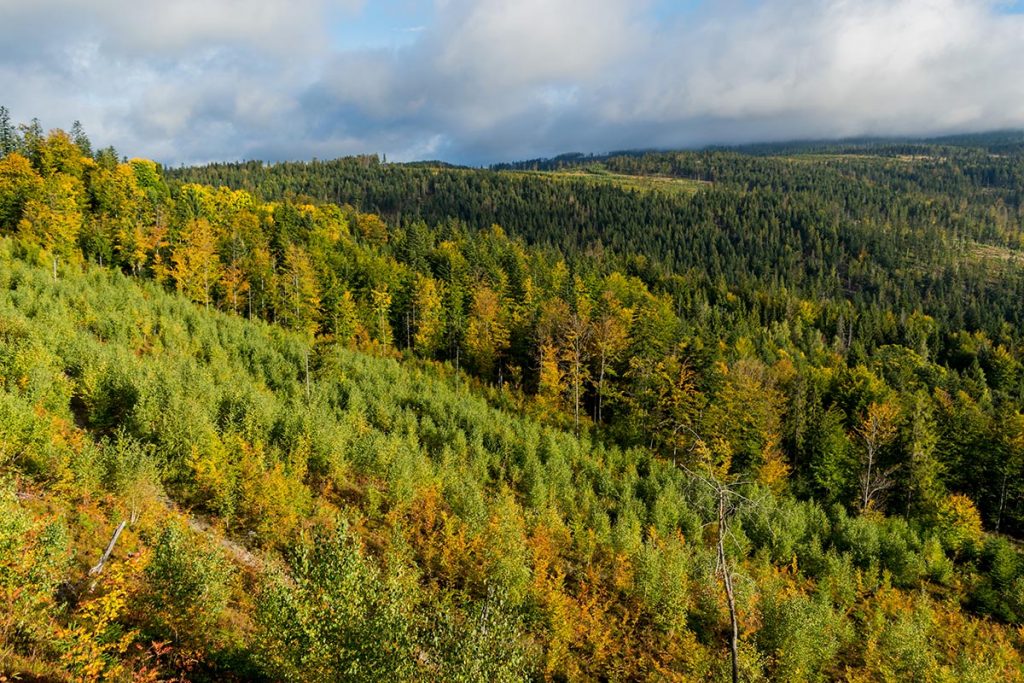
(924, 471)
(79, 137)
(609, 337)
(32, 140)
(10, 141)
(345, 318)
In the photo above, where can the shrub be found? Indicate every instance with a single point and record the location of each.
(189, 585)
(334, 616)
(33, 556)
(801, 636)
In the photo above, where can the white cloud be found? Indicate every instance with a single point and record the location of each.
(500, 44)
(489, 79)
(850, 67)
(150, 28)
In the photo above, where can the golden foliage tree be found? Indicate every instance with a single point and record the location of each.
(59, 154)
(234, 284)
(429, 316)
(300, 293)
(551, 380)
(380, 302)
(197, 266)
(876, 430)
(487, 335)
(54, 219)
(18, 183)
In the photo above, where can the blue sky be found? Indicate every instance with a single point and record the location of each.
(479, 81)
(396, 23)
(387, 24)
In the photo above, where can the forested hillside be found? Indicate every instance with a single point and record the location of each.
(396, 441)
(887, 228)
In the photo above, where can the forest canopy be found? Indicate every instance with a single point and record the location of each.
(581, 419)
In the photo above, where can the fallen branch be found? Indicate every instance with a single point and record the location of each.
(110, 548)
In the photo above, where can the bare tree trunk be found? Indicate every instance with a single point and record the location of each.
(865, 496)
(307, 375)
(576, 395)
(727, 580)
(1002, 501)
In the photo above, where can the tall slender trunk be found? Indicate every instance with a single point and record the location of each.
(727, 580)
(910, 485)
(577, 379)
(865, 494)
(307, 375)
(1002, 501)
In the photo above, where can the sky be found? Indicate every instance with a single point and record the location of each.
(483, 81)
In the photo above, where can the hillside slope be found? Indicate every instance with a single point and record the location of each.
(881, 226)
(388, 520)
(353, 448)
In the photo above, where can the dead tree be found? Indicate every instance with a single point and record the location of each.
(876, 431)
(728, 501)
(723, 565)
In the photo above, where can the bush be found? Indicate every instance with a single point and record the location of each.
(335, 616)
(33, 557)
(482, 641)
(189, 584)
(801, 636)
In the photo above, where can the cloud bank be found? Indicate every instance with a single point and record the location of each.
(477, 81)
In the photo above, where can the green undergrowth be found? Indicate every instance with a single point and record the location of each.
(297, 510)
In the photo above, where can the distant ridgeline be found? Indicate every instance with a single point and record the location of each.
(355, 430)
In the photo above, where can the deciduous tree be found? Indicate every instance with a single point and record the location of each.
(428, 316)
(197, 266)
(487, 336)
(18, 183)
(609, 337)
(876, 431)
(54, 219)
(300, 293)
